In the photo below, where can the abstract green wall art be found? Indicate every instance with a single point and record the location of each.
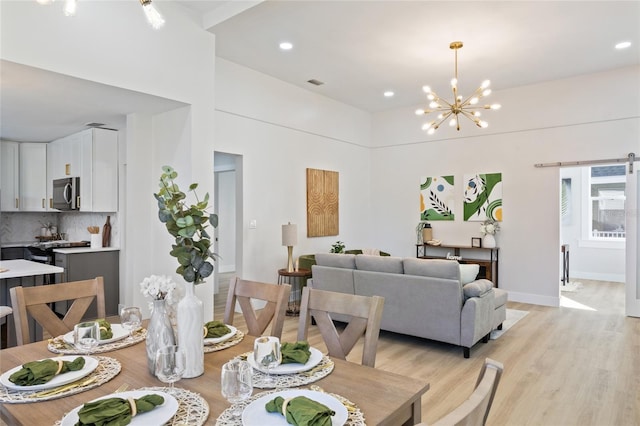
(436, 198)
(482, 197)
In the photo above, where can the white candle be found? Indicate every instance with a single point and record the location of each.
(297, 260)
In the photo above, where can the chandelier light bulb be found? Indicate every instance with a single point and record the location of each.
(420, 111)
(44, 2)
(70, 7)
(154, 17)
(461, 105)
(426, 126)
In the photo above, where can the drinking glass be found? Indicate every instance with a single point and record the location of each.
(236, 381)
(130, 319)
(170, 364)
(266, 353)
(86, 336)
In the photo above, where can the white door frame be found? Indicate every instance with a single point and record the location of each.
(632, 211)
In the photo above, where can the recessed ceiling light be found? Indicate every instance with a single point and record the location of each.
(623, 45)
(388, 94)
(285, 45)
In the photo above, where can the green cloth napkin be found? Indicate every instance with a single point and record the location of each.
(39, 372)
(297, 352)
(115, 411)
(105, 329)
(216, 329)
(302, 411)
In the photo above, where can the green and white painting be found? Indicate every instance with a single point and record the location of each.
(482, 197)
(436, 198)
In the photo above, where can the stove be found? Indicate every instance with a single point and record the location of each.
(43, 251)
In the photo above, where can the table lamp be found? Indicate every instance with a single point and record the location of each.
(290, 239)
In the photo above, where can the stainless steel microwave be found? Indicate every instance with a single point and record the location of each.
(66, 193)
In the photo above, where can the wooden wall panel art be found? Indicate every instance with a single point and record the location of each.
(322, 203)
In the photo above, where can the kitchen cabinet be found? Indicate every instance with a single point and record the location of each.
(9, 176)
(91, 155)
(33, 177)
(24, 177)
(84, 265)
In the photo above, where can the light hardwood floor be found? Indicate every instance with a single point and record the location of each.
(575, 365)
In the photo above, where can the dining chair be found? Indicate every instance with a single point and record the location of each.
(363, 314)
(475, 409)
(34, 302)
(245, 292)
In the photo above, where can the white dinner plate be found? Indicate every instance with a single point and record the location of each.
(256, 413)
(158, 416)
(314, 359)
(90, 364)
(119, 333)
(229, 335)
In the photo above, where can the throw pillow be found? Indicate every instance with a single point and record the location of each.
(477, 288)
(468, 272)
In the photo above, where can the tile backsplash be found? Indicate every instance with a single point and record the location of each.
(21, 227)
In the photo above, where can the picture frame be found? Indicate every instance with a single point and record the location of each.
(476, 242)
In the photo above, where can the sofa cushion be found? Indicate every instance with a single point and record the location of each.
(336, 260)
(468, 272)
(392, 265)
(477, 288)
(436, 268)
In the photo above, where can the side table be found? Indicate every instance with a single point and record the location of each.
(297, 279)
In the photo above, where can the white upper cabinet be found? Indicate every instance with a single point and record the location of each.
(9, 176)
(91, 155)
(33, 177)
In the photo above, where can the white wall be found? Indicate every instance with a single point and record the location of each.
(280, 131)
(550, 122)
(111, 43)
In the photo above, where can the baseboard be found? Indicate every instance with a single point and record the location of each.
(577, 275)
(534, 299)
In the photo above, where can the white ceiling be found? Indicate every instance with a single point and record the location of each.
(358, 49)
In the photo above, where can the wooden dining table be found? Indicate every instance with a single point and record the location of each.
(384, 398)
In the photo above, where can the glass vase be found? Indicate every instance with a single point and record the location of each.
(159, 333)
(190, 339)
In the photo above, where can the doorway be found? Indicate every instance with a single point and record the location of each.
(592, 224)
(228, 207)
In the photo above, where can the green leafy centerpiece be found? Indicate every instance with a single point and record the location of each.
(188, 224)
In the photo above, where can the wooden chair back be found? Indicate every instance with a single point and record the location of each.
(34, 301)
(365, 315)
(276, 297)
(475, 410)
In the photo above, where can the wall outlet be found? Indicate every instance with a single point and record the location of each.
(253, 224)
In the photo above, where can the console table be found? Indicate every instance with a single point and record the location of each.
(486, 257)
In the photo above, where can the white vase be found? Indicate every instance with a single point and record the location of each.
(489, 241)
(190, 339)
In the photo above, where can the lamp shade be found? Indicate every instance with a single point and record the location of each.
(289, 234)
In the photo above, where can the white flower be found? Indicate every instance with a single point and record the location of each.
(157, 286)
(490, 227)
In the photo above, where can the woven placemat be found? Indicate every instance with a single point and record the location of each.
(57, 345)
(107, 369)
(356, 417)
(193, 410)
(323, 369)
(234, 340)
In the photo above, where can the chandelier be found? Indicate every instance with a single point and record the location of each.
(154, 17)
(460, 106)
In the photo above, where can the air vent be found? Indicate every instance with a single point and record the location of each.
(315, 82)
(95, 124)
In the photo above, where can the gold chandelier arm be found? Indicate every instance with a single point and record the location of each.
(447, 115)
(471, 117)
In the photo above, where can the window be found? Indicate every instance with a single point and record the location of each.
(606, 197)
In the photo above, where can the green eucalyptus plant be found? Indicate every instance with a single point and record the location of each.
(338, 247)
(187, 223)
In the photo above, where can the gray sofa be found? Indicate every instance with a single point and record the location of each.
(423, 297)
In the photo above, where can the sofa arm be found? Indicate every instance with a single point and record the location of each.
(476, 318)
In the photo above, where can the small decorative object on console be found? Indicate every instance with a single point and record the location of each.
(476, 242)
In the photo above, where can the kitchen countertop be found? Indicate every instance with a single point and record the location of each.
(75, 250)
(26, 268)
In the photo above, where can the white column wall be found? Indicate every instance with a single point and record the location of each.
(584, 118)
